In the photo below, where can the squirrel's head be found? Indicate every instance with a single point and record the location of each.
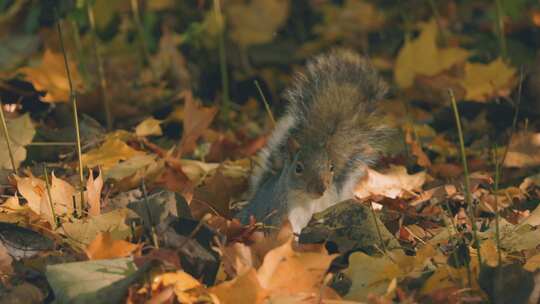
(311, 171)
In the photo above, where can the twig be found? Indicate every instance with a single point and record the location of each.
(101, 71)
(266, 105)
(58, 143)
(5, 132)
(468, 197)
(73, 97)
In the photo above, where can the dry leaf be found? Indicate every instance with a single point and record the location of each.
(105, 247)
(422, 56)
(93, 193)
(243, 289)
(50, 76)
(149, 126)
(196, 120)
(285, 271)
(524, 150)
(394, 183)
(256, 21)
(183, 284)
(111, 152)
(485, 81)
(21, 132)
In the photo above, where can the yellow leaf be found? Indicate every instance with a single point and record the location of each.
(149, 126)
(422, 56)
(50, 76)
(484, 81)
(21, 132)
(105, 247)
(256, 21)
(533, 263)
(109, 154)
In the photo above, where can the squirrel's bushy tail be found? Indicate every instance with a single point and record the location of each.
(337, 68)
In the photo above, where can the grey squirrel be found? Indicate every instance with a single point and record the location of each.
(321, 147)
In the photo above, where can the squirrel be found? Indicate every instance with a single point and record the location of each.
(320, 149)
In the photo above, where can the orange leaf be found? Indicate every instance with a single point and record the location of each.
(104, 247)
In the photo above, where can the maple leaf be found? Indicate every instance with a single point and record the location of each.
(50, 76)
(485, 81)
(196, 120)
(422, 56)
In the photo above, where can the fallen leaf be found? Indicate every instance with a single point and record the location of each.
(243, 289)
(149, 126)
(81, 232)
(394, 183)
(50, 76)
(196, 120)
(21, 132)
(182, 282)
(533, 263)
(485, 81)
(523, 150)
(259, 22)
(285, 271)
(422, 56)
(105, 247)
(93, 193)
(130, 167)
(111, 152)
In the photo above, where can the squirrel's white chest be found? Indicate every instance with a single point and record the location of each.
(301, 211)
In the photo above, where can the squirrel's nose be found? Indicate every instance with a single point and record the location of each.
(317, 187)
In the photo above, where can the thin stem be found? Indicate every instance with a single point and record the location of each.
(499, 24)
(266, 105)
(140, 30)
(48, 187)
(58, 143)
(73, 97)
(101, 71)
(497, 215)
(468, 198)
(5, 132)
(223, 61)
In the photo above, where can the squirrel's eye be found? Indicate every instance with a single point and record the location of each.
(299, 168)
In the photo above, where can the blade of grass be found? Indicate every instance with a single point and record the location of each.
(499, 25)
(266, 105)
(140, 30)
(101, 71)
(498, 169)
(153, 231)
(223, 62)
(468, 197)
(5, 132)
(379, 234)
(73, 98)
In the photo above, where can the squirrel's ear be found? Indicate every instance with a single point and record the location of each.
(292, 147)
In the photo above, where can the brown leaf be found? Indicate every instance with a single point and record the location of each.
(196, 120)
(105, 247)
